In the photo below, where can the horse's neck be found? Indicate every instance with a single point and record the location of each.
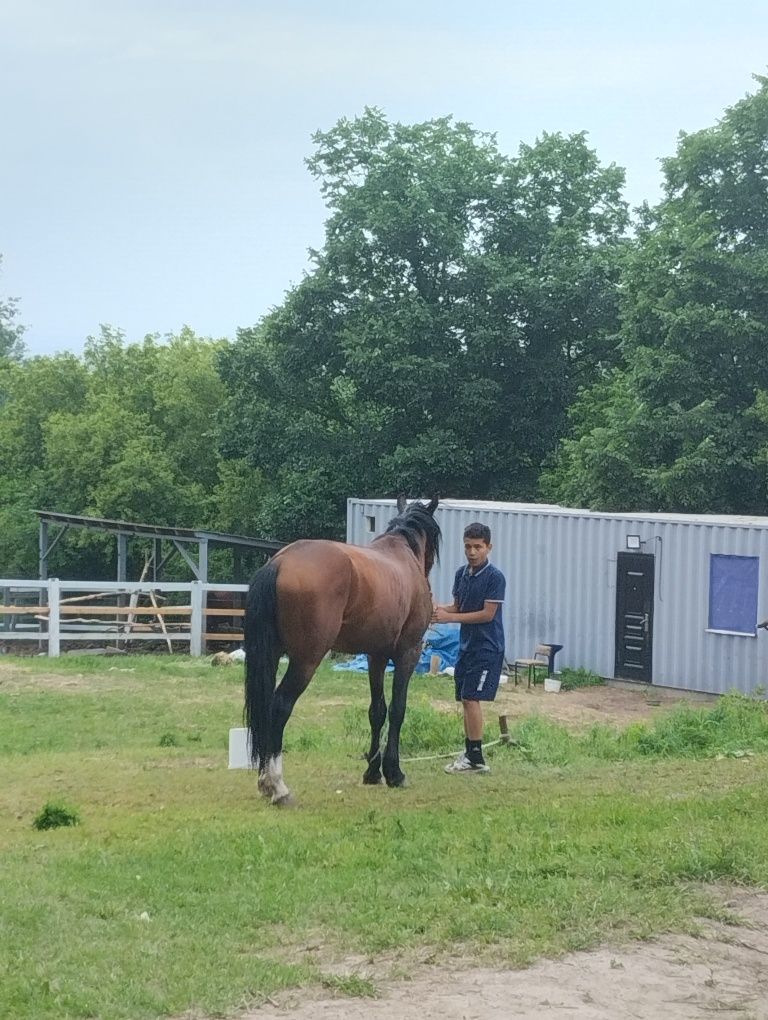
(399, 545)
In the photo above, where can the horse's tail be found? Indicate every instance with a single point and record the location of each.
(262, 655)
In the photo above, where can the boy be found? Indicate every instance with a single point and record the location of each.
(478, 593)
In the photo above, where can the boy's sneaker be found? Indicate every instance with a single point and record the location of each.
(463, 764)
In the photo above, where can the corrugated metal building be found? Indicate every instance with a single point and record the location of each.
(668, 599)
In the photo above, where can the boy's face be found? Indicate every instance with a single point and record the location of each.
(476, 550)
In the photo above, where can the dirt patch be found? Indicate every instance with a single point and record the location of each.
(611, 704)
(14, 678)
(723, 973)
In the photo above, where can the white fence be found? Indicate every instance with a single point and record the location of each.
(55, 612)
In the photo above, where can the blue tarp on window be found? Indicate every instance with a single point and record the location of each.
(733, 584)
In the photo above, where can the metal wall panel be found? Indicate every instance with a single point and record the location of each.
(561, 565)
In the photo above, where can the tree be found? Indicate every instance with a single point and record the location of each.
(458, 300)
(682, 425)
(127, 431)
(11, 332)
(32, 391)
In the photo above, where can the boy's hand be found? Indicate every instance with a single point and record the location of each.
(439, 615)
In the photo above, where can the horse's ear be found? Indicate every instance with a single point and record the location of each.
(402, 503)
(432, 505)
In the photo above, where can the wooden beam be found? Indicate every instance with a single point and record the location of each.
(22, 610)
(100, 610)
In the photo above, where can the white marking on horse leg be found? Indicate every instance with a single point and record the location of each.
(265, 781)
(274, 774)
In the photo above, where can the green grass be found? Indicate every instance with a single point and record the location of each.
(572, 679)
(736, 726)
(181, 889)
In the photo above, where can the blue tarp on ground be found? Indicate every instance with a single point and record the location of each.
(441, 639)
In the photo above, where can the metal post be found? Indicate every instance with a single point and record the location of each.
(54, 619)
(122, 557)
(196, 620)
(203, 561)
(122, 574)
(42, 570)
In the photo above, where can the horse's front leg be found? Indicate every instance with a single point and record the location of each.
(405, 663)
(377, 714)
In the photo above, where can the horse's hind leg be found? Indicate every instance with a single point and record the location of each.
(377, 714)
(294, 683)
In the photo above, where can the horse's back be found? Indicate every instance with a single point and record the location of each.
(349, 598)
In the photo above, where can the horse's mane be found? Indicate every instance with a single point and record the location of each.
(414, 524)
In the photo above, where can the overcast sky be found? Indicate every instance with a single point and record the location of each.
(152, 156)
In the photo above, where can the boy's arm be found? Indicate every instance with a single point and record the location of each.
(448, 608)
(450, 614)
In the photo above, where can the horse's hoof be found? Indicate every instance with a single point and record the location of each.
(375, 780)
(397, 781)
(285, 801)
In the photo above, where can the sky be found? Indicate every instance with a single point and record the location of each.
(152, 167)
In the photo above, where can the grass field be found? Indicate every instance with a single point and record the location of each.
(182, 890)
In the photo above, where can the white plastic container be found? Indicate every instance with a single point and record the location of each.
(240, 748)
(551, 686)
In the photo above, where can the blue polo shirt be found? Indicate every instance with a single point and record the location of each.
(479, 642)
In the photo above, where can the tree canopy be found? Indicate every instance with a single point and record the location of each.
(460, 299)
(124, 432)
(474, 325)
(11, 331)
(682, 423)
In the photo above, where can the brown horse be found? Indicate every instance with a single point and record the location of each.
(314, 596)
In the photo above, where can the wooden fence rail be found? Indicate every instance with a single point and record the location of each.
(49, 613)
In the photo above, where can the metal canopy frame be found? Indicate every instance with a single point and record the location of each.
(182, 542)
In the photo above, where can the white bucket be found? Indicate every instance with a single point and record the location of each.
(240, 748)
(551, 686)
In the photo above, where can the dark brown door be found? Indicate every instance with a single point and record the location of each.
(634, 616)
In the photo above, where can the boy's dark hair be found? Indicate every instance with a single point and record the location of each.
(478, 530)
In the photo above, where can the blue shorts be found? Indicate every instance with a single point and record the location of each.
(478, 681)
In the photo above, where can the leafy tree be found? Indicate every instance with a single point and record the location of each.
(11, 332)
(458, 301)
(31, 390)
(682, 425)
(127, 431)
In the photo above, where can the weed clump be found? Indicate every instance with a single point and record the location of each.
(55, 816)
(572, 679)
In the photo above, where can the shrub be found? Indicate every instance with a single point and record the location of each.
(571, 679)
(55, 816)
